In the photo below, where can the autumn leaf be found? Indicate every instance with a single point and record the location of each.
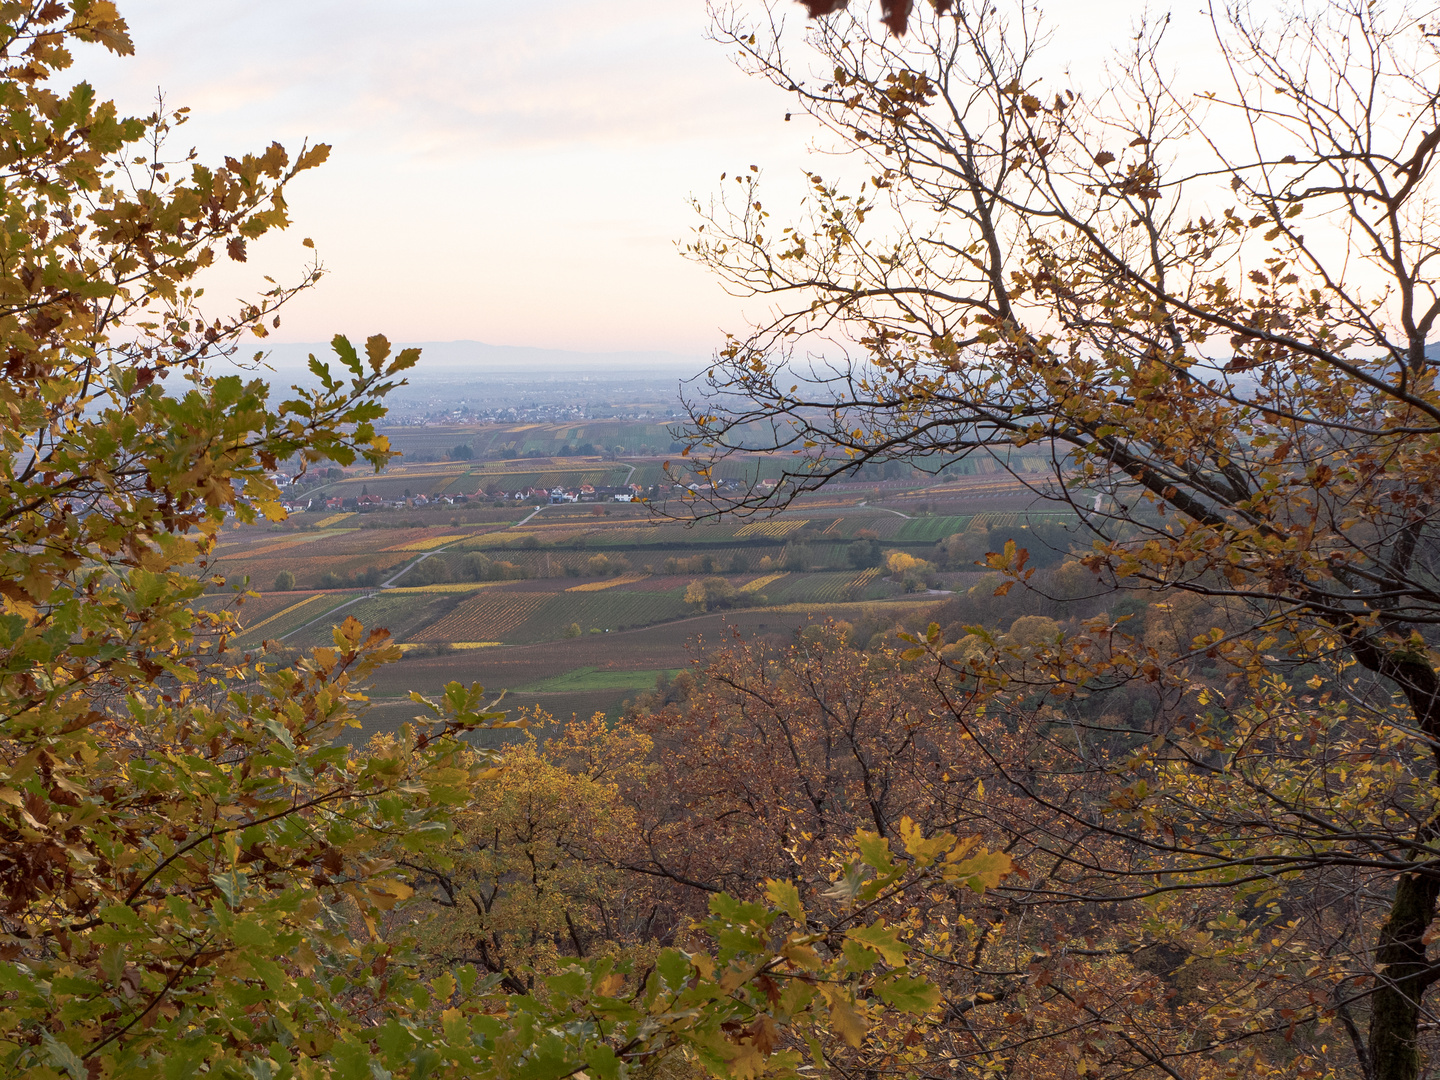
(845, 1020)
(908, 993)
(883, 939)
(981, 871)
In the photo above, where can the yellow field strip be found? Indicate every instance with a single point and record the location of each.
(771, 528)
(596, 586)
(833, 526)
(333, 519)
(265, 549)
(428, 543)
(865, 577)
(407, 646)
(896, 608)
(760, 582)
(283, 611)
(446, 586)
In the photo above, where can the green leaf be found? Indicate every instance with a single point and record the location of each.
(568, 985)
(883, 939)
(674, 967)
(874, 850)
(347, 354)
(857, 957)
(232, 885)
(62, 1057)
(601, 1060)
(787, 897)
(908, 993)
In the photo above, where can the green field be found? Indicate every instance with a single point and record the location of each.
(294, 616)
(932, 529)
(518, 633)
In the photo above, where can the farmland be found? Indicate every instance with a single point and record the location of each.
(577, 607)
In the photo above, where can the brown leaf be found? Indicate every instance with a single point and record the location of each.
(895, 14)
(764, 1034)
(236, 248)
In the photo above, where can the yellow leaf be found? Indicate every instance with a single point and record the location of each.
(924, 851)
(452, 1022)
(883, 939)
(801, 955)
(785, 896)
(981, 871)
(745, 1062)
(846, 1022)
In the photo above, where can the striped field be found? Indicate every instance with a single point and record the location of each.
(597, 586)
(760, 582)
(775, 530)
(486, 616)
(427, 543)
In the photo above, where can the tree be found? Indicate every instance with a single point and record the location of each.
(709, 594)
(864, 554)
(1211, 313)
(516, 890)
(284, 581)
(774, 753)
(194, 866)
(177, 827)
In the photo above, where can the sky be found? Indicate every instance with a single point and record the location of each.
(504, 172)
(510, 173)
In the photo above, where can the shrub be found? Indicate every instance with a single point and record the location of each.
(606, 565)
(864, 554)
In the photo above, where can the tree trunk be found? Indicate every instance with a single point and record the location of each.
(1400, 951)
(1395, 1006)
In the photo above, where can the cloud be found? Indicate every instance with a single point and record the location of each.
(442, 77)
(504, 172)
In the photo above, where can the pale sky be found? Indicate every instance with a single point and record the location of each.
(514, 173)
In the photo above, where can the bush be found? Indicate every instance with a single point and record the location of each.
(606, 565)
(431, 571)
(864, 554)
(478, 567)
(711, 594)
(284, 581)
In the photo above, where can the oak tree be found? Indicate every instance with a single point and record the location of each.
(1209, 307)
